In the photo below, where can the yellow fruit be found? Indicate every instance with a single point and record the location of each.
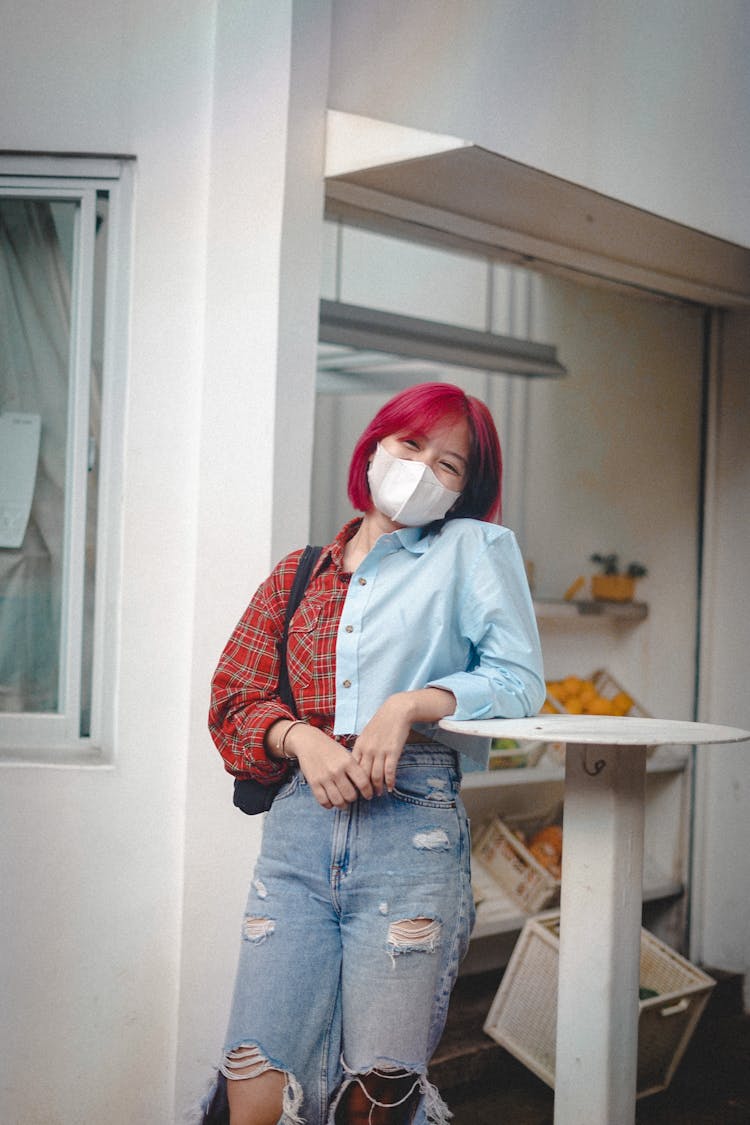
(587, 693)
(572, 684)
(622, 703)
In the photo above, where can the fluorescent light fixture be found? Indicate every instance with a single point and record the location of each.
(375, 350)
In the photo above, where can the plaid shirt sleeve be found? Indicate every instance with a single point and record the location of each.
(244, 689)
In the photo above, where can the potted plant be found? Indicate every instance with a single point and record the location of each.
(612, 585)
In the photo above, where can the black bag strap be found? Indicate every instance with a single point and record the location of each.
(305, 567)
(250, 796)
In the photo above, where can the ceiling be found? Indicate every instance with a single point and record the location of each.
(474, 200)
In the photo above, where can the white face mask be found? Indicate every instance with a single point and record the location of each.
(408, 492)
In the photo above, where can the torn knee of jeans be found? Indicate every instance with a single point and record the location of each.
(386, 1095)
(256, 929)
(248, 1061)
(431, 840)
(413, 935)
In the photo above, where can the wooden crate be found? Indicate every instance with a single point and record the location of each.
(512, 866)
(523, 1016)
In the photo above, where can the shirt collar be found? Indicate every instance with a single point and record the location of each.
(412, 539)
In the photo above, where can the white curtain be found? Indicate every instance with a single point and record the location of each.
(34, 360)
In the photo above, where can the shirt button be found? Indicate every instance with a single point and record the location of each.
(362, 581)
(349, 629)
(347, 683)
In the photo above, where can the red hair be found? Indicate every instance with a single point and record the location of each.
(420, 408)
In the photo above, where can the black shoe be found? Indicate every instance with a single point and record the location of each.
(217, 1112)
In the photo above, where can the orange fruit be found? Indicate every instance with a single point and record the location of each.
(546, 848)
(572, 684)
(587, 692)
(622, 703)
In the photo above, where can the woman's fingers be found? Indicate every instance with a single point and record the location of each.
(338, 792)
(361, 778)
(380, 744)
(349, 779)
(379, 758)
(372, 763)
(334, 775)
(389, 771)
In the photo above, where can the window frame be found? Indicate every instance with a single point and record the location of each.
(56, 736)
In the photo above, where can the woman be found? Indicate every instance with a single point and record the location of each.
(360, 907)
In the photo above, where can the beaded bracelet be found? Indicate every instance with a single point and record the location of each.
(280, 745)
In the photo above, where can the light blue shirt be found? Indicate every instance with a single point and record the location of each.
(450, 610)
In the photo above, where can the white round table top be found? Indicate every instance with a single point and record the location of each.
(602, 730)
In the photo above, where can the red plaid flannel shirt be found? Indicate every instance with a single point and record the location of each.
(244, 695)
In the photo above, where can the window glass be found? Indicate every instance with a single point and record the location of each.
(49, 434)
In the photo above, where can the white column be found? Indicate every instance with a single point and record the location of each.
(597, 1016)
(299, 273)
(262, 263)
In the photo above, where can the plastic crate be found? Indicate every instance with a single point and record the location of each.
(523, 1016)
(512, 866)
(508, 753)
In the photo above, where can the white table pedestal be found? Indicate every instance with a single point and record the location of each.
(600, 925)
(601, 898)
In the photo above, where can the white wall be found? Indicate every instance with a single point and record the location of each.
(121, 890)
(648, 103)
(721, 915)
(92, 877)
(613, 458)
(264, 232)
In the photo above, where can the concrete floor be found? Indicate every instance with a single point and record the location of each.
(484, 1085)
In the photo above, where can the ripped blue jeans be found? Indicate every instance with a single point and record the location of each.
(356, 922)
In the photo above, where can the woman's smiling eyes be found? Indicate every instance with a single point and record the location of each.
(450, 466)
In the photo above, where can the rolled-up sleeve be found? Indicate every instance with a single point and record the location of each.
(244, 688)
(505, 676)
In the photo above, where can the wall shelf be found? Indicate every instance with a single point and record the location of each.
(557, 609)
(499, 915)
(667, 759)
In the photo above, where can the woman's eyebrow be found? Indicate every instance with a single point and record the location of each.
(459, 456)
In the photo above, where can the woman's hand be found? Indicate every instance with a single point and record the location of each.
(379, 746)
(332, 773)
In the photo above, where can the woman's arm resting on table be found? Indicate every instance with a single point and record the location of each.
(506, 676)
